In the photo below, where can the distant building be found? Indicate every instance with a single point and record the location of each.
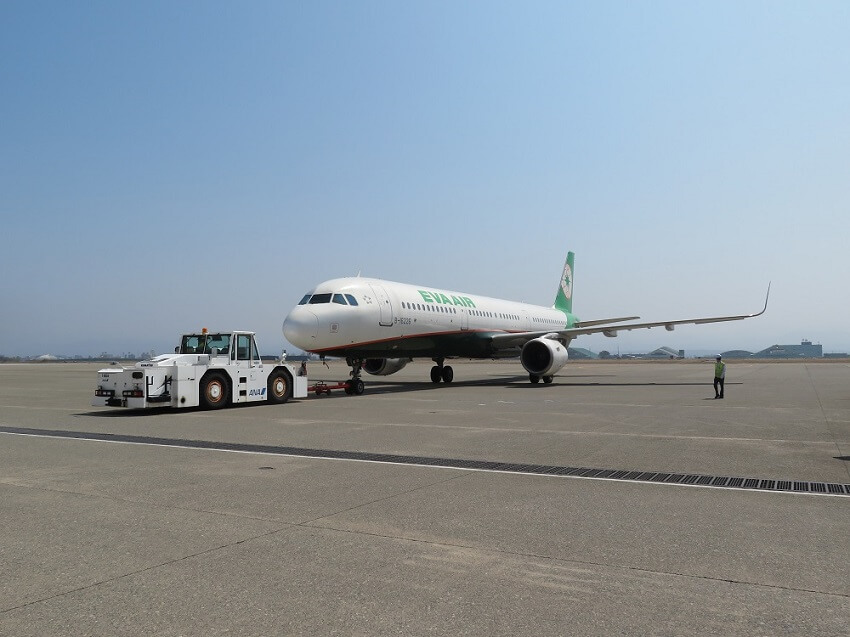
(666, 352)
(804, 350)
(737, 353)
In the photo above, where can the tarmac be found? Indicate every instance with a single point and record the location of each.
(354, 515)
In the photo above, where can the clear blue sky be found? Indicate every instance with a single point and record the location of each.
(166, 166)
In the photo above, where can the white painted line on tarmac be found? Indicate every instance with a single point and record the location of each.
(423, 466)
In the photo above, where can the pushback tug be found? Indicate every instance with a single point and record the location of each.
(207, 369)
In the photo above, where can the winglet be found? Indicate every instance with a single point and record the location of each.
(766, 297)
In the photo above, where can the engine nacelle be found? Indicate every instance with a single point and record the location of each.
(384, 366)
(543, 356)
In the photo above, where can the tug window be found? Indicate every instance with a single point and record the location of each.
(244, 349)
(221, 341)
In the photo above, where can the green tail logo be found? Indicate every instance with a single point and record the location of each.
(564, 298)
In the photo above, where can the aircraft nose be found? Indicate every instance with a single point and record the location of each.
(301, 327)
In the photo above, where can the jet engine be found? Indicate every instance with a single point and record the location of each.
(384, 366)
(543, 356)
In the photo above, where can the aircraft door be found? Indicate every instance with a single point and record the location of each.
(464, 319)
(384, 305)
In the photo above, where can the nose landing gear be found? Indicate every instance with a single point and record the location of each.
(355, 386)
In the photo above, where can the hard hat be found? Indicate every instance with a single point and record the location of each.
(719, 357)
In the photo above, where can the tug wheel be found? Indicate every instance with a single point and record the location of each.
(280, 387)
(214, 391)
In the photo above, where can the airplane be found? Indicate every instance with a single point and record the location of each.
(379, 326)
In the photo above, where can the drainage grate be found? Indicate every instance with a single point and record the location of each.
(723, 482)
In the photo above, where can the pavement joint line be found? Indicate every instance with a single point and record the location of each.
(546, 431)
(509, 468)
(588, 433)
(306, 524)
(311, 523)
(550, 558)
(152, 567)
(570, 560)
(169, 507)
(312, 526)
(826, 420)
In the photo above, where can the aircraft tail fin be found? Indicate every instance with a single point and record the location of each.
(564, 297)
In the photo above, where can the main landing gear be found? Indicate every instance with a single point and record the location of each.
(534, 378)
(440, 372)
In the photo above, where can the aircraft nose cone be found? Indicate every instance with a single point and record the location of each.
(301, 327)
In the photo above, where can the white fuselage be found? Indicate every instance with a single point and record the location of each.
(395, 320)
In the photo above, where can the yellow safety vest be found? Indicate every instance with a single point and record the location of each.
(719, 368)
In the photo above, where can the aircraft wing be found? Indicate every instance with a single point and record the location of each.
(504, 341)
(605, 321)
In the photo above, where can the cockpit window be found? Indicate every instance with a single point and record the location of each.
(305, 300)
(320, 298)
(351, 299)
(339, 298)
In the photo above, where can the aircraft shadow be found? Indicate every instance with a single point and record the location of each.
(378, 387)
(689, 384)
(123, 412)
(519, 382)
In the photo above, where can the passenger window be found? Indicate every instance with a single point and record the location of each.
(351, 299)
(339, 298)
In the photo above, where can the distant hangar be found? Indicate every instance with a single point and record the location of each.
(806, 349)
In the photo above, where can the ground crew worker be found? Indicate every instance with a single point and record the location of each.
(719, 376)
